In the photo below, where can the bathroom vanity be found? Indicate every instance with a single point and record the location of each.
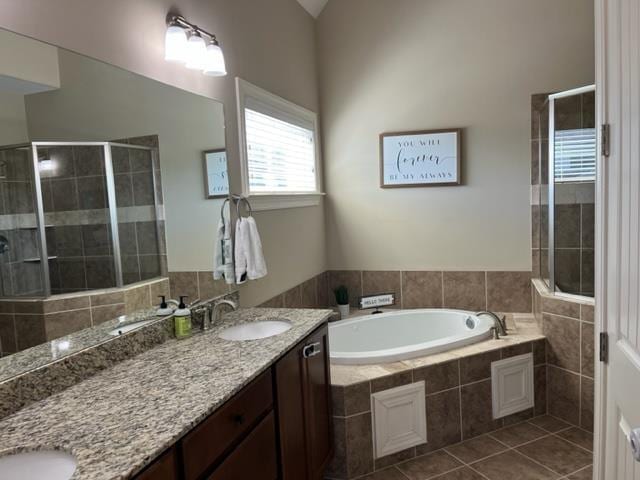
(197, 408)
(278, 427)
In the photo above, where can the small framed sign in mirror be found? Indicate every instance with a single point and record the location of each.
(216, 180)
(420, 158)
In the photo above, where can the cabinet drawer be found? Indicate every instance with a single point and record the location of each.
(164, 468)
(255, 457)
(204, 445)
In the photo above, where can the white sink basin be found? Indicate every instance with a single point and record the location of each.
(49, 464)
(131, 326)
(255, 330)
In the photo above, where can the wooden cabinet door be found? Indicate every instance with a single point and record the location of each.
(164, 468)
(317, 403)
(290, 408)
(304, 408)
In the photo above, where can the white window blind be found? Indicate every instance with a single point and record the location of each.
(281, 156)
(575, 155)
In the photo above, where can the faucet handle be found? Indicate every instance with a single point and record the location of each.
(201, 316)
(495, 332)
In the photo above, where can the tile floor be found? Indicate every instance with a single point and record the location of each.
(542, 448)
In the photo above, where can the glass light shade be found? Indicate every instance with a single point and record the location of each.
(175, 44)
(214, 65)
(196, 52)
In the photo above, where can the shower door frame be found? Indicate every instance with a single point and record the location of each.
(111, 201)
(551, 181)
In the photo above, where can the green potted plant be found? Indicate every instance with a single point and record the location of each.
(342, 300)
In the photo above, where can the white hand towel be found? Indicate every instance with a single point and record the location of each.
(240, 253)
(256, 265)
(250, 263)
(223, 253)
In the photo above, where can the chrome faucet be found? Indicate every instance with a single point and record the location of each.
(499, 324)
(216, 307)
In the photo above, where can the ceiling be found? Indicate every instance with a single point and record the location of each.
(314, 7)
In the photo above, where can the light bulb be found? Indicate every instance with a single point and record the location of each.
(196, 52)
(214, 65)
(175, 44)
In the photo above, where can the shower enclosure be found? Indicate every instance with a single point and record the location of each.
(567, 174)
(78, 216)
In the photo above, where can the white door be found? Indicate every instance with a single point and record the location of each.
(618, 227)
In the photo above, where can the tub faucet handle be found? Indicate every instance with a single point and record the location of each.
(500, 324)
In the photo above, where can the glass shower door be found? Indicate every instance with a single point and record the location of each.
(75, 216)
(21, 272)
(572, 171)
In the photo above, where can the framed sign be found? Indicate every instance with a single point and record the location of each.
(421, 158)
(216, 180)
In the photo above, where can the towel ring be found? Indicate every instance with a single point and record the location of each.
(226, 200)
(239, 200)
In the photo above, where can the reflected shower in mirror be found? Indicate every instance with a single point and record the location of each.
(564, 219)
(100, 175)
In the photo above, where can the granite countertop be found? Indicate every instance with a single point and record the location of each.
(119, 420)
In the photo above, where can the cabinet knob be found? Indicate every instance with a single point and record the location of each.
(311, 350)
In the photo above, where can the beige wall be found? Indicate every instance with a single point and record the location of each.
(13, 121)
(389, 65)
(270, 44)
(30, 64)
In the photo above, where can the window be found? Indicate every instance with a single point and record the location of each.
(575, 155)
(279, 149)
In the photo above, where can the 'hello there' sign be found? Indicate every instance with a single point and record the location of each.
(419, 159)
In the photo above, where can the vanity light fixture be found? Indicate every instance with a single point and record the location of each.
(185, 43)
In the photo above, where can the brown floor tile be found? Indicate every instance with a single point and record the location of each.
(464, 473)
(578, 436)
(394, 458)
(476, 449)
(518, 434)
(429, 466)
(387, 474)
(549, 423)
(511, 465)
(584, 474)
(557, 454)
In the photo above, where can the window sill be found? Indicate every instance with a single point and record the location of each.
(262, 202)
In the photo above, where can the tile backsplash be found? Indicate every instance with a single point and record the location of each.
(506, 291)
(30, 322)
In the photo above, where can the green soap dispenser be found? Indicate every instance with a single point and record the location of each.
(182, 320)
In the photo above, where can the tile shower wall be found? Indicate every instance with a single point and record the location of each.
(76, 211)
(569, 328)
(458, 407)
(499, 291)
(574, 202)
(20, 272)
(27, 323)
(138, 183)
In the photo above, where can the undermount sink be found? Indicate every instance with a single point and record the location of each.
(131, 326)
(255, 330)
(36, 465)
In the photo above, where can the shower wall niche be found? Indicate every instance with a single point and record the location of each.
(80, 216)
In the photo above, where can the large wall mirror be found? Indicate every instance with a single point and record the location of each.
(100, 178)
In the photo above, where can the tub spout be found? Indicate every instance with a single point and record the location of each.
(499, 324)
